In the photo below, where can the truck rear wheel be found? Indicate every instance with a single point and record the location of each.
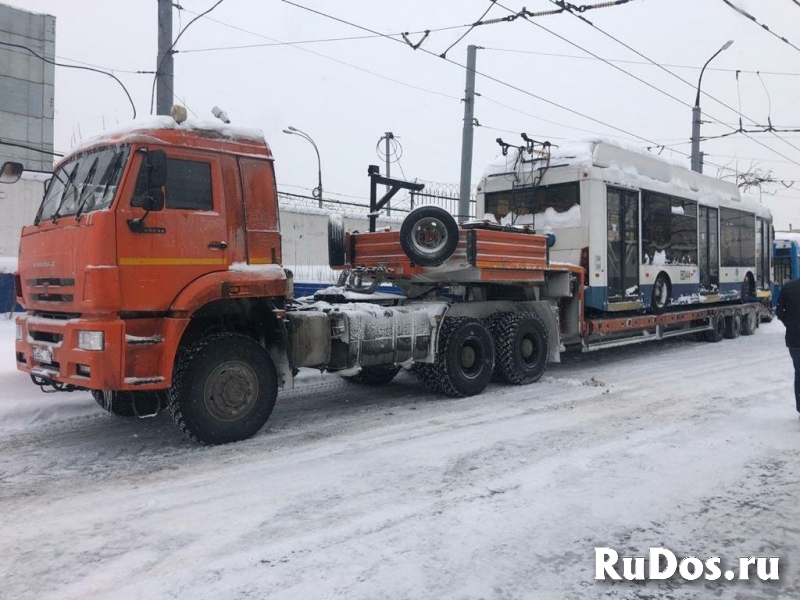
(374, 375)
(464, 361)
(130, 404)
(223, 389)
(521, 348)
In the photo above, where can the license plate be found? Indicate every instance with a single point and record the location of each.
(42, 354)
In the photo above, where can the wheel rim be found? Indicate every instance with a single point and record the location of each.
(471, 358)
(529, 351)
(429, 235)
(231, 391)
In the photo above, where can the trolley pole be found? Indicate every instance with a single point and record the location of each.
(467, 137)
(164, 63)
(387, 137)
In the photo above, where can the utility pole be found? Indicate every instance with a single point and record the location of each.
(697, 115)
(165, 65)
(466, 140)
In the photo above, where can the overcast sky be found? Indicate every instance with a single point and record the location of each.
(341, 93)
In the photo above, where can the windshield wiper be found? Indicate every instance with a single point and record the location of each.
(84, 196)
(70, 183)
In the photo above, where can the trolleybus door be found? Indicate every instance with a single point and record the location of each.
(709, 248)
(623, 244)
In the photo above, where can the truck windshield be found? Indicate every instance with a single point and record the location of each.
(84, 184)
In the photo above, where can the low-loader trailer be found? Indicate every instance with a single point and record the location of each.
(152, 276)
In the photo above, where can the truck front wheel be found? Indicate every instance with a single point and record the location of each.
(223, 389)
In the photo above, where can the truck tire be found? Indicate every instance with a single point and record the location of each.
(223, 389)
(717, 331)
(129, 404)
(374, 375)
(733, 327)
(464, 361)
(429, 235)
(521, 348)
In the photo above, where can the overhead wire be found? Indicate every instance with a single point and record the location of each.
(675, 75)
(79, 67)
(338, 61)
(636, 62)
(763, 26)
(483, 74)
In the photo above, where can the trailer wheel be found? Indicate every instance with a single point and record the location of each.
(223, 389)
(521, 348)
(749, 322)
(337, 252)
(429, 235)
(465, 359)
(733, 327)
(662, 293)
(717, 332)
(121, 404)
(374, 375)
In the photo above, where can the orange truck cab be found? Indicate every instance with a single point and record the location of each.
(140, 229)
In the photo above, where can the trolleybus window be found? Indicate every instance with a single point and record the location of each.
(669, 230)
(546, 201)
(737, 238)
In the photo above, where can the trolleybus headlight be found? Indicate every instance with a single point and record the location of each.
(91, 340)
(19, 331)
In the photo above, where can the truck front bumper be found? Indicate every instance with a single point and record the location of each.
(50, 350)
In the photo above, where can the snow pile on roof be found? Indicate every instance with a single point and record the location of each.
(217, 128)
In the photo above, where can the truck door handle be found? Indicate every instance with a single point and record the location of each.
(218, 245)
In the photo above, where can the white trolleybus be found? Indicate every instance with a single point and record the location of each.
(650, 233)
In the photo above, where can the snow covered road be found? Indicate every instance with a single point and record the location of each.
(392, 493)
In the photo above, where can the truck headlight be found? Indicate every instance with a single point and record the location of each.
(91, 340)
(19, 331)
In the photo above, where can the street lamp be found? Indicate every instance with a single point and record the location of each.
(697, 158)
(317, 192)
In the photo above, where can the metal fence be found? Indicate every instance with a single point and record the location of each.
(434, 194)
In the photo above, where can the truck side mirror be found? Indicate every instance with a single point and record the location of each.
(10, 172)
(157, 169)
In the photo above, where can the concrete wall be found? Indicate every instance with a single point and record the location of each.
(26, 87)
(305, 241)
(19, 203)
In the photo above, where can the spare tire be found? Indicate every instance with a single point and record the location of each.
(429, 236)
(337, 251)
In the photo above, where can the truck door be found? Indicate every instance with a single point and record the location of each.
(623, 244)
(178, 244)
